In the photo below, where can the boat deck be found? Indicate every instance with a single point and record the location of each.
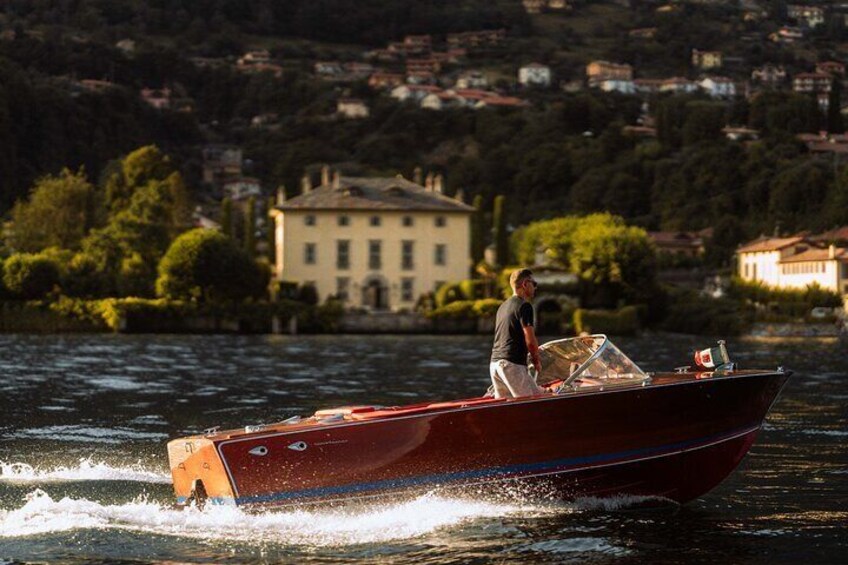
(329, 416)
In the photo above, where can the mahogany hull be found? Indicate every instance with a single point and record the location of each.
(676, 438)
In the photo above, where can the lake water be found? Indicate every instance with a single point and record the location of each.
(84, 474)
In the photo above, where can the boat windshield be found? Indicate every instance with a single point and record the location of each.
(588, 361)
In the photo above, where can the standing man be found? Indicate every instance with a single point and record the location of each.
(514, 338)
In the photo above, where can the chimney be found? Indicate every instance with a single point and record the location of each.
(460, 196)
(337, 179)
(325, 175)
(281, 195)
(305, 184)
(416, 175)
(438, 183)
(831, 251)
(428, 182)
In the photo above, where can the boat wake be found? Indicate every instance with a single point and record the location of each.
(40, 514)
(85, 470)
(314, 527)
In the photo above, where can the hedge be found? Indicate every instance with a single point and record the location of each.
(622, 322)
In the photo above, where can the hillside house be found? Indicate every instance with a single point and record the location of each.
(598, 71)
(794, 262)
(769, 75)
(807, 15)
(718, 87)
(706, 60)
(534, 74)
(353, 108)
(811, 82)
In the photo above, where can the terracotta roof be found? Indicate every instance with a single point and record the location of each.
(678, 237)
(770, 244)
(817, 254)
(374, 193)
(837, 234)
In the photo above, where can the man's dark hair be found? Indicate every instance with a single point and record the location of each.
(518, 276)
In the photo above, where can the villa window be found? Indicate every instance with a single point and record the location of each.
(310, 254)
(375, 221)
(407, 221)
(441, 254)
(343, 288)
(406, 255)
(407, 286)
(845, 270)
(343, 254)
(344, 220)
(309, 220)
(441, 221)
(374, 254)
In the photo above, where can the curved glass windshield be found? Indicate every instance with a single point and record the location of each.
(588, 362)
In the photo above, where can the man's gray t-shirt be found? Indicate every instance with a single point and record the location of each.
(509, 344)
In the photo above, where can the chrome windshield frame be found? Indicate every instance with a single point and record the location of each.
(568, 382)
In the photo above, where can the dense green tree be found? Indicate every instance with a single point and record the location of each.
(500, 234)
(271, 230)
(227, 224)
(478, 231)
(29, 277)
(250, 227)
(204, 265)
(613, 261)
(136, 236)
(60, 211)
(834, 107)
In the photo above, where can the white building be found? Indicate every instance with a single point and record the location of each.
(472, 79)
(242, 188)
(534, 74)
(614, 85)
(794, 262)
(352, 108)
(719, 87)
(414, 92)
(678, 85)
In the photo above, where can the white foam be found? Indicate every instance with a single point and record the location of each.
(86, 470)
(40, 514)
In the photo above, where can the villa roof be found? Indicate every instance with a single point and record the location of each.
(817, 254)
(374, 193)
(770, 244)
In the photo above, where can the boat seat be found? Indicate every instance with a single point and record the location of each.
(419, 408)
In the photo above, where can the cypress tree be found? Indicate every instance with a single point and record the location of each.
(227, 217)
(834, 107)
(499, 227)
(250, 227)
(478, 228)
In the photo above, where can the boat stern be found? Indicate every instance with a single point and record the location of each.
(198, 472)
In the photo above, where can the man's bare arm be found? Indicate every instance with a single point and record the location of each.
(532, 347)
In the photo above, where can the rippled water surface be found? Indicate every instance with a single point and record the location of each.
(84, 476)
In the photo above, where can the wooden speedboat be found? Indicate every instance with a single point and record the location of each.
(606, 428)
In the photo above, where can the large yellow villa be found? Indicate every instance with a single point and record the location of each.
(377, 243)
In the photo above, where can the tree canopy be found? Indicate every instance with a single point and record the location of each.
(59, 213)
(205, 265)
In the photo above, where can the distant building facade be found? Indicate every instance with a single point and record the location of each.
(534, 74)
(794, 262)
(375, 243)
